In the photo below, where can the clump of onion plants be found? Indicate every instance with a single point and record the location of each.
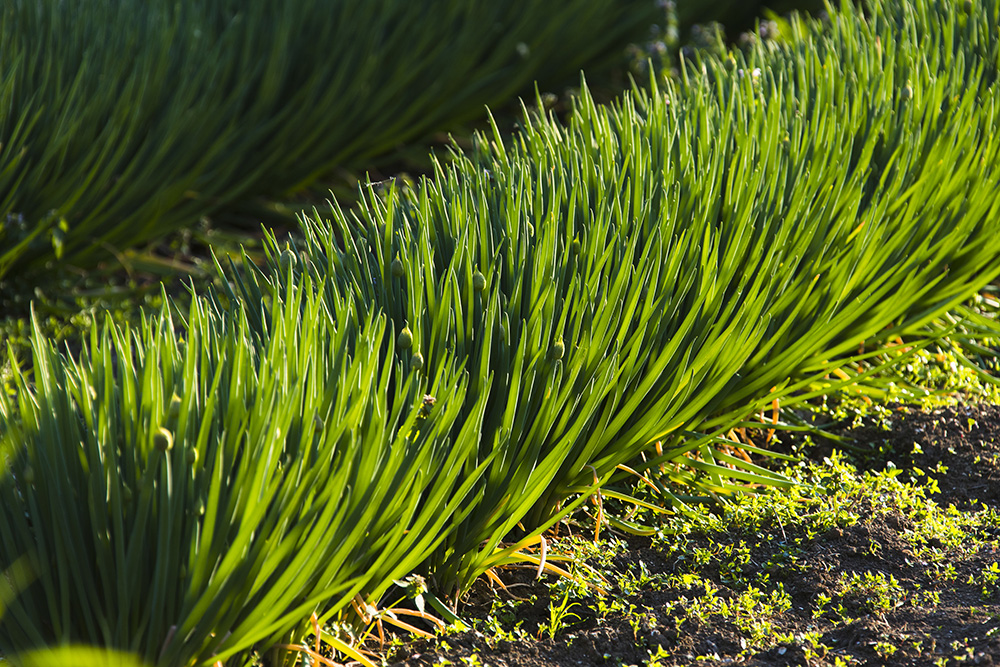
(653, 272)
(188, 491)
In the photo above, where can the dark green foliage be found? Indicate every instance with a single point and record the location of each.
(121, 120)
(739, 15)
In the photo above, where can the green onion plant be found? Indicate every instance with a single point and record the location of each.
(187, 494)
(658, 270)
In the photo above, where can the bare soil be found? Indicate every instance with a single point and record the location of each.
(958, 621)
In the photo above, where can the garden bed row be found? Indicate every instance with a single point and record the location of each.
(428, 384)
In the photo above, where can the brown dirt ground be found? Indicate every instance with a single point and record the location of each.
(963, 628)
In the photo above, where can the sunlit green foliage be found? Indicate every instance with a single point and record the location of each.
(665, 267)
(193, 494)
(78, 656)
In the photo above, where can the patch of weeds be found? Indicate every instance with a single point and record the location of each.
(637, 579)
(920, 598)
(885, 650)
(813, 647)
(944, 572)
(942, 373)
(502, 622)
(989, 579)
(751, 609)
(641, 619)
(655, 658)
(561, 615)
(872, 591)
(937, 530)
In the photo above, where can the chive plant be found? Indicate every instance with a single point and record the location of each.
(187, 497)
(658, 270)
(123, 120)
